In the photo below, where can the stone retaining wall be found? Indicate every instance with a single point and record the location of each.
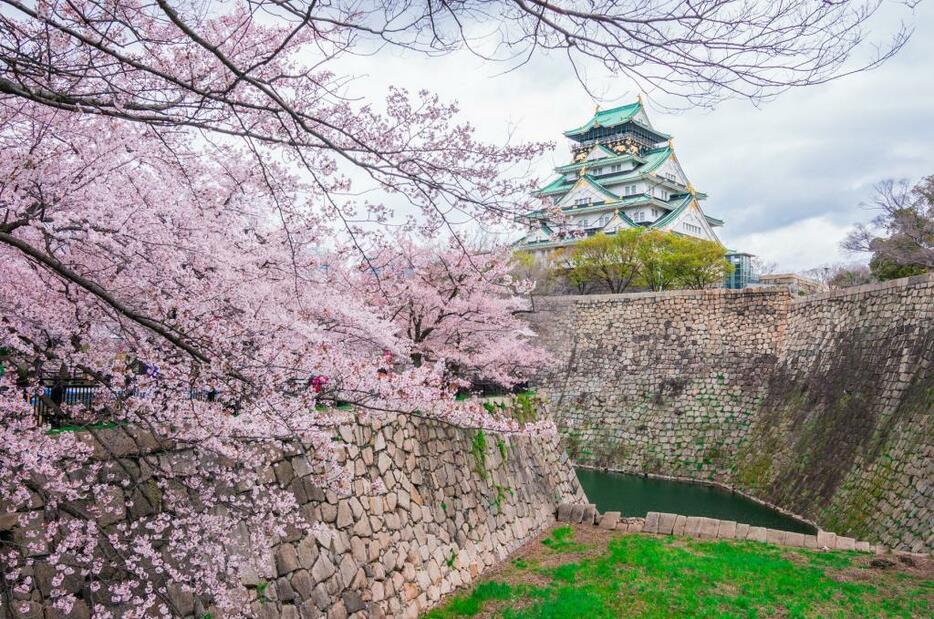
(442, 521)
(821, 405)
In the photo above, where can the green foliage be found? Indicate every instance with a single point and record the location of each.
(450, 560)
(649, 576)
(525, 407)
(501, 491)
(478, 449)
(698, 263)
(656, 255)
(647, 258)
(884, 269)
(501, 446)
(610, 260)
(261, 587)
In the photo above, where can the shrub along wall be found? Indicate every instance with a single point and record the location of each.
(821, 405)
(453, 506)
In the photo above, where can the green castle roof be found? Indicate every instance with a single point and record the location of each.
(608, 118)
(653, 160)
(615, 158)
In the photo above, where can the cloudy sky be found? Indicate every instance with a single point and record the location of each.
(788, 176)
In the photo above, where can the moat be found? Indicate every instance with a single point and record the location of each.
(634, 495)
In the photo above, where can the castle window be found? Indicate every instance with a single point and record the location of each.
(692, 228)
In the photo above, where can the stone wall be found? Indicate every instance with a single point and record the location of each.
(443, 519)
(821, 405)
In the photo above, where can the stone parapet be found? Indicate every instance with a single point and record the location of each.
(661, 523)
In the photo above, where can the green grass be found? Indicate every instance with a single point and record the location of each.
(562, 540)
(83, 428)
(649, 576)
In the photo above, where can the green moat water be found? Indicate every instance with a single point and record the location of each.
(634, 495)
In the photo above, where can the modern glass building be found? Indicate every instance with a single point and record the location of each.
(742, 274)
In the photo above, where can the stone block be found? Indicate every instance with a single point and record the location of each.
(708, 528)
(564, 512)
(756, 534)
(810, 541)
(590, 514)
(846, 543)
(609, 520)
(678, 528)
(774, 536)
(666, 523)
(303, 583)
(692, 526)
(286, 559)
(182, 598)
(826, 539)
(794, 539)
(727, 529)
(863, 546)
(651, 523)
(742, 530)
(323, 568)
(353, 602)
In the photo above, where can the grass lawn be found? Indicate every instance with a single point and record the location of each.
(588, 573)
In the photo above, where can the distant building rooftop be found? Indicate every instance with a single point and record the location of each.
(799, 284)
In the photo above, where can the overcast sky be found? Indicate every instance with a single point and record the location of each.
(788, 176)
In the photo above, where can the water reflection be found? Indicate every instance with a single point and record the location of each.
(634, 495)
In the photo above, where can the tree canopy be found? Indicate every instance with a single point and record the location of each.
(652, 259)
(901, 236)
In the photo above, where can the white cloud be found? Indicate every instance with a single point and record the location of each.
(799, 246)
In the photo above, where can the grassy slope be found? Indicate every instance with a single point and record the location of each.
(617, 575)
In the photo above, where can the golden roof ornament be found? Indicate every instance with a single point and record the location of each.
(691, 189)
(639, 98)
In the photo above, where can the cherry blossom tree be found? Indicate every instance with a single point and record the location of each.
(161, 268)
(461, 309)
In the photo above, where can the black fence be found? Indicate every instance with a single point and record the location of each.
(46, 407)
(59, 393)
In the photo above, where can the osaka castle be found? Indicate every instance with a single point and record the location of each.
(623, 173)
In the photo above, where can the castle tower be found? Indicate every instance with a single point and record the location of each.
(623, 174)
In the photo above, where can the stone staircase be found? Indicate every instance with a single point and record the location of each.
(711, 528)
